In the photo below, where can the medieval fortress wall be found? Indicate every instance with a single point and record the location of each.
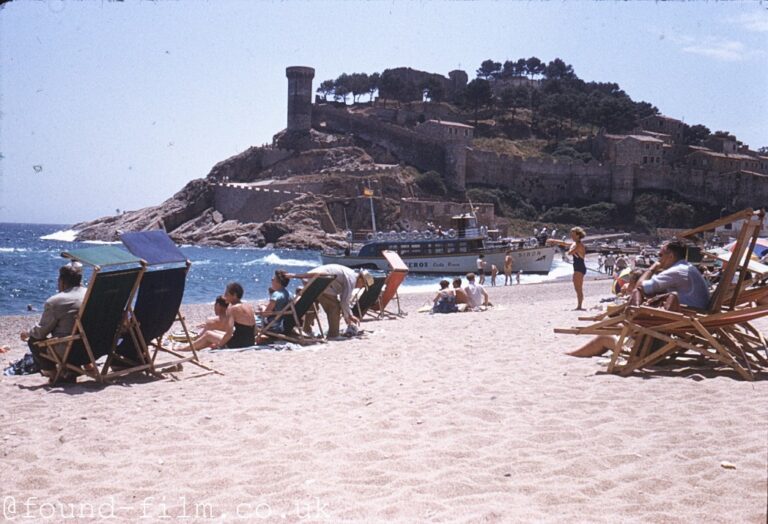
(635, 162)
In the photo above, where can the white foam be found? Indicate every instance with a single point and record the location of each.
(13, 250)
(276, 260)
(101, 242)
(65, 235)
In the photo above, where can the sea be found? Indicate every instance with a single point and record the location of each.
(30, 256)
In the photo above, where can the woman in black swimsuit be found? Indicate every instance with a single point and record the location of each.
(240, 329)
(579, 253)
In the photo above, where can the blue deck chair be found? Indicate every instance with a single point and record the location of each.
(100, 322)
(158, 300)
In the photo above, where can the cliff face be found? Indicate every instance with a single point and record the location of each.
(327, 182)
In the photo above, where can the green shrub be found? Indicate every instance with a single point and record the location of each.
(431, 182)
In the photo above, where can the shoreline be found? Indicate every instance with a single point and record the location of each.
(443, 418)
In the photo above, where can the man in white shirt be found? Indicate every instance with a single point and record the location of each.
(476, 294)
(337, 297)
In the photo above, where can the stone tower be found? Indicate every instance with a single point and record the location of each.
(299, 98)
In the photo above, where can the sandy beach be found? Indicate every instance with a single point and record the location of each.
(471, 417)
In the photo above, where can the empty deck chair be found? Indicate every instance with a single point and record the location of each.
(158, 300)
(369, 297)
(100, 320)
(291, 316)
(396, 275)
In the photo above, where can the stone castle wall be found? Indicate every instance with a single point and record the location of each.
(731, 190)
(420, 151)
(543, 181)
(249, 203)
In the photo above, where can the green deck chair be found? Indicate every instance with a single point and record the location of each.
(101, 318)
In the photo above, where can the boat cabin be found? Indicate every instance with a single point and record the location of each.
(415, 248)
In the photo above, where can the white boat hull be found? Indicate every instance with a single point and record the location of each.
(534, 260)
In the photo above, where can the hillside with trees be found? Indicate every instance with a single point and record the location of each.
(532, 108)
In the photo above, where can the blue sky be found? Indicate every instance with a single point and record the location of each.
(111, 105)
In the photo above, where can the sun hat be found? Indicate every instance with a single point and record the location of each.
(367, 277)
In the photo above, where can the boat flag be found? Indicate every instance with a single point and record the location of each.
(367, 192)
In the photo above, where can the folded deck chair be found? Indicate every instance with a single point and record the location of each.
(396, 275)
(158, 300)
(100, 321)
(369, 297)
(291, 316)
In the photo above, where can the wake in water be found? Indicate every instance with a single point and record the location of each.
(66, 235)
(276, 260)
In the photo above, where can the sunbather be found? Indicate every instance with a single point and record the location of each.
(445, 300)
(218, 322)
(279, 297)
(241, 323)
(671, 282)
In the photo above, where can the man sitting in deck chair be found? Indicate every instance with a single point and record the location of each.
(669, 283)
(58, 317)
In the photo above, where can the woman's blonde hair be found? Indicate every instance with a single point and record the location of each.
(579, 232)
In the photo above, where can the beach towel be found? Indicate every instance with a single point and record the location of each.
(26, 365)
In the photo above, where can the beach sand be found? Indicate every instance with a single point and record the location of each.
(475, 417)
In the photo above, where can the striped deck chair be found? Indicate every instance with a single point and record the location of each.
(286, 324)
(100, 322)
(396, 275)
(158, 300)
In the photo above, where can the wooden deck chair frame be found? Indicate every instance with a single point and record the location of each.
(156, 247)
(398, 271)
(722, 333)
(155, 346)
(79, 333)
(312, 289)
(362, 304)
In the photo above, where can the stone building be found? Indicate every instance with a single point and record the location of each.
(625, 150)
(722, 162)
(456, 138)
(420, 211)
(664, 124)
(726, 144)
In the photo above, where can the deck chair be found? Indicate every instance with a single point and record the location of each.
(291, 316)
(396, 275)
(369, 297)
(100, 322)
(722, 333)
(158, 300)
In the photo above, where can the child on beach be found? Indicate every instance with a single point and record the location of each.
(445, 300)
(494, 272)
(481, 263)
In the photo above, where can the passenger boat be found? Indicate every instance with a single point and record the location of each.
(453, 252)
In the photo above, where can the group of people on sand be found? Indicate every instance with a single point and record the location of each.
(671, 282)
(482, 267)
(235, 323)
(452, 297)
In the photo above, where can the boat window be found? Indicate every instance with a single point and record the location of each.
(450, 247)
(439, 249)
(463, 247)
